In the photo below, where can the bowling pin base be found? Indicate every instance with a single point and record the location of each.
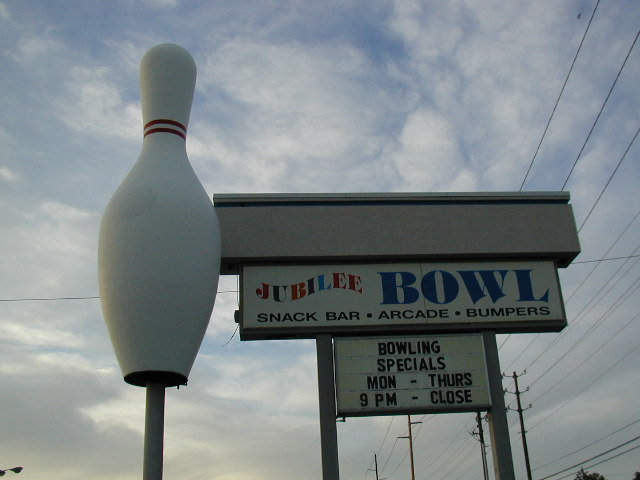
(167, 379)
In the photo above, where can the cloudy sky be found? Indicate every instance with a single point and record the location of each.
(332, 96)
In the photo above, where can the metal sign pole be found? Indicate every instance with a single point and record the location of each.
(497, 415)
(326, 397)
(154, 432)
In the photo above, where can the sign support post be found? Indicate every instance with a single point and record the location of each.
(497, 415)
(326, 397)
(154, 432)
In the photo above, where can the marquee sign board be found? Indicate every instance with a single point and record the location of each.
(301, 301)
(331, 266)
(410, 374)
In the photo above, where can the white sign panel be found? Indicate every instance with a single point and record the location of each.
(410, 374)
(301, 301)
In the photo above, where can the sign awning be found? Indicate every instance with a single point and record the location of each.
(394, 227)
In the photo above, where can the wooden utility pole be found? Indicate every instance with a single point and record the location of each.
(485, 468)
(522, 430)
(375, 462)
(410, 437)
(413, 471)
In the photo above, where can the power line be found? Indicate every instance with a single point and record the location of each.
(389, 475)
(566, 42)
(588, 445)
(579, 316)
(611, 458)
(610, 178)
(546, 128)
(591, 356)
(606, 259)
(45, 299)
(460, 459)
(613, 244)
(505, 341)
(584, 280)
(465, 428)
(522, 351)
(607, 314)
(464, 474)
(602, 293)
(584, 311)
(385, 436)
(596, 456)
(233, 335)
(598, 323)
(588, 386)
(389, 457)
(601, 109)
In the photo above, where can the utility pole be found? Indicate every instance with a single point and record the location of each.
(413, 471)
(410, 437)
(375, 462)
(483, 451)
(522, 430)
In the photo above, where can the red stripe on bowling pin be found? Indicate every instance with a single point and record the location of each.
(168, 126)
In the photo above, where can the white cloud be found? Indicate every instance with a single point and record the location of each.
(4, 11)
(35, 47)
(94, 104)
(430, 31)
(53, 250)
(125, 410)
(38, 337)
(8, 175)
(304, 120)
(294, 389)
(428, 157)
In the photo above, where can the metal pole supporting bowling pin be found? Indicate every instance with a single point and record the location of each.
(159, 248)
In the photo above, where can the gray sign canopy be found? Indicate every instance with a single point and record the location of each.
(391, 227)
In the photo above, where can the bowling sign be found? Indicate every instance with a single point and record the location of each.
(302, 301)
(418, 374)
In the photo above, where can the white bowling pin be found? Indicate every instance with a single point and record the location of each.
(159, 245)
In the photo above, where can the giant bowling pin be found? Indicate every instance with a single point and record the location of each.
(159, 246)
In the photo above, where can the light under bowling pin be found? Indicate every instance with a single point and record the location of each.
(159, 244)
